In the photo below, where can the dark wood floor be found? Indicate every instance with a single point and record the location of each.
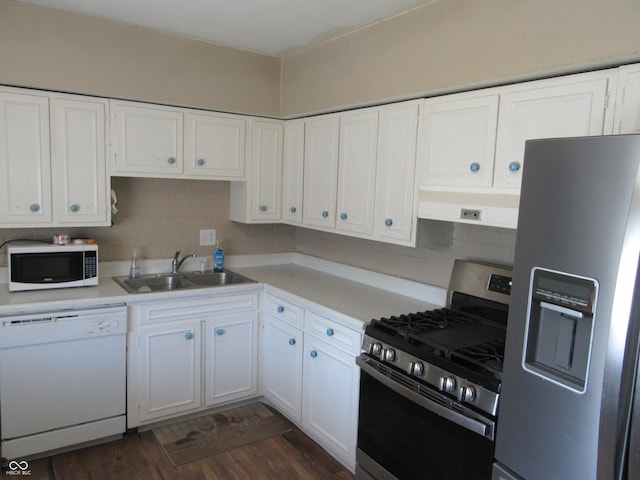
(292, 455)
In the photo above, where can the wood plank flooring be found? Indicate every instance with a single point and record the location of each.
(292, 455)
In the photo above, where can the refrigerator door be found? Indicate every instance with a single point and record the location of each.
(561, 406)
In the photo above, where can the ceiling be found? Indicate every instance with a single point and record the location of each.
(272, 27)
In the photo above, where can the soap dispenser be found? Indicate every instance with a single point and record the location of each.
(134, 271)
(218, 258)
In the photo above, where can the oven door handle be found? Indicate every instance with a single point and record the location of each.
(479, 425)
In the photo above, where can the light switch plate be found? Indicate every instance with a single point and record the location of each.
(207, 237)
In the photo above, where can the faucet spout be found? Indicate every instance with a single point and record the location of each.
(177, 262)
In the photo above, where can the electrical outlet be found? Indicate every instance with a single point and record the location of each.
(207, 237)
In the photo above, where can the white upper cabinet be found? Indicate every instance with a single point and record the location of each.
(572, 106)
(259, 198)
(52, 160)
(146, 139)
(292, 172)
(357, 155)
(395, 218)
(459, 134)
(25, 165)
(169, 142)
(627, 116)
(214, 145)
(321, 170)
(78, 158)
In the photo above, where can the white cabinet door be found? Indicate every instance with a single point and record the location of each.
(78, 159)
(330, 397)
(231, 359)
(395, 173)
(25, 163)
(282, 366)
(357, 155)
(266, 169)
(169, 359)
(628, 100)
(292, 172)
(571, 106)
(146, 139)
(458, 140)
(214, 146)
(321, 171)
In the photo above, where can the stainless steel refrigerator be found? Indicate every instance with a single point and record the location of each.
(570, 404)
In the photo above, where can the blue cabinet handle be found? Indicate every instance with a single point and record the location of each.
(329, 332)
(313, 354)
(34, 207)
(293, 209)
(474, 167)
(200, 162)
(188, 335)
(343, 216)
(171, 160)
(292, 341)
(325, 214)
(219, 331)
(263, 208)
(514, 166)
(75, 207)
(388, 222)
(280, 309)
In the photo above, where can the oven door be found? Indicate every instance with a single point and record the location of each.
(409, 431)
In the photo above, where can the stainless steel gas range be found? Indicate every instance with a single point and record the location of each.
(430, 383)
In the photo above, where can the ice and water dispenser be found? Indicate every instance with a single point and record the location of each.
(559, 327)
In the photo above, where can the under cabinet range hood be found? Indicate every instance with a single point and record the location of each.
(488, 209)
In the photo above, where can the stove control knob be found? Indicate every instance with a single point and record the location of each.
(466, 394)
(388, 355)
(375, 349)
(415, 368)
(447, 384)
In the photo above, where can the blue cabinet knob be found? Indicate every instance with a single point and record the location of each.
(514, 166)
(219, 331)
(292, 341)
(263, 208)
(171, 160)
(188, 335)
(200, 162)
(34, 207)
(329, 332)
(474, 167)
(325, 214)
(313, 354)
(280, 309)
(75, 207)
(343, 216)
(293, 209)
(388, 222)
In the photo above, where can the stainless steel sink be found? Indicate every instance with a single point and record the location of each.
(179, 281)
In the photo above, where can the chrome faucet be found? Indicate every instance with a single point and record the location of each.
(177, 262)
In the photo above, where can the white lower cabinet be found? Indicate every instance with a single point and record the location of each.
(310, 375)
(189, 354)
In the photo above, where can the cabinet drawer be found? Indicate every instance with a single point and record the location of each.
(172, 310)
(283, 310)
(334, 333)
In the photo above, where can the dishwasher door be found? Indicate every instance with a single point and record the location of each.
(62, 379)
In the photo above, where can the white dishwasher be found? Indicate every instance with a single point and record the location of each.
(62, 379)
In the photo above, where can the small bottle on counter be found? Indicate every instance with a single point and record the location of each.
(134, 271)
(218, 258)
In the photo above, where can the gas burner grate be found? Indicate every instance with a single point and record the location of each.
(415, 323)
(488, 356)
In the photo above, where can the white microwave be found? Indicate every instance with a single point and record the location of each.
(39, 267)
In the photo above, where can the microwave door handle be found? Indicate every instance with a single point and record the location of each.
(456, 417)
(562, 310)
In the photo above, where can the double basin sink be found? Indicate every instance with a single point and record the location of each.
(162, 282)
